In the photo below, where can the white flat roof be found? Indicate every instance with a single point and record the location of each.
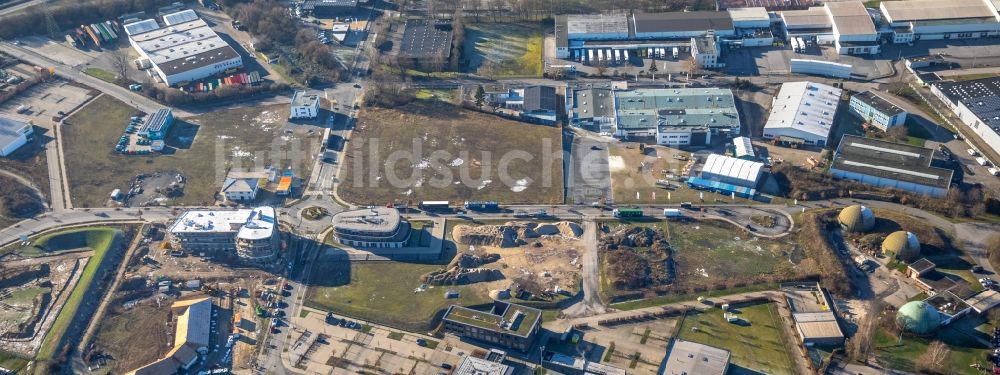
(851, 18)
(805, 106)
(181, 41)
(748, 14)
(808, 18)
(596, 24)
(179, 17)
(251, 224)
(739, 169)
(140, 27)
(929, 10)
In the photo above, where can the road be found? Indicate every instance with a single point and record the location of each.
(591, 303)
(138, 101)
(18, 7)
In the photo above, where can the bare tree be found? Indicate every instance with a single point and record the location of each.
(120, 60)
(601, 67)
(933, 360)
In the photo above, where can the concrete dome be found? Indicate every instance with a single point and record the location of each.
(904, 244)
(918, 317)
(856, 218)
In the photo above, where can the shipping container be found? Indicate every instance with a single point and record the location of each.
(93, 35)
(627, 212)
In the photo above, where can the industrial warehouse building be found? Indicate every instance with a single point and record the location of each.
(185, 49)
(813, 314)
(913, 20)
(426, 40)
(251, 233)
(611, 38)
(675, 117)
(13, 134)
(977, 104)
(329, 8)
(728, 175)
(506, 325)
(803, 112)
(191, 338)
(376, 227)
(876, 110)
(890, 165)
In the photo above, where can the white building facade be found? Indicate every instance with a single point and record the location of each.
(803, 110)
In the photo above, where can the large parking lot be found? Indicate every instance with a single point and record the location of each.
(46, 100)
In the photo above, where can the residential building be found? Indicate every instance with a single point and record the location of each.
(803, 111)
(813, 313)
(689, 358)
(251, 235)
(182, 52)
(427, 40)
(13, 134)
(191, 338)
(242, 186)
(376, 227)
(157, 125)
(890, 165)
(505, 325)
(977, 105)
(876, 110)
(303, 105)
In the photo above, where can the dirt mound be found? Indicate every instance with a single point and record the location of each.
(465, 269)
(512, 233)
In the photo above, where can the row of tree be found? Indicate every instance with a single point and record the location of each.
(71, 14)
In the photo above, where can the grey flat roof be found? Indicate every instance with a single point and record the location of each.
(10, 130)
(890, 160)
(594, 102)
(648, 108)
(927, 10)
(381, 219)
(597, 24)
(682, 21)
(806, 18)
(878, 102)
(540, 98)
(301, 99)
(690, 358)
(425, 38)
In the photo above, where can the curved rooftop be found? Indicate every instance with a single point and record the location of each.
(918, 317)
(375, 219)
(904, 244)
(857, 218)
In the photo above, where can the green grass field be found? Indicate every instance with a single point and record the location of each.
(756, 346)
(428, 151)
(959, 336)
(100, 74)
(383, 292)
(22, 298)
(94, 169)
(100, 240)
(515, 49)
(12, 362)
(59, 242)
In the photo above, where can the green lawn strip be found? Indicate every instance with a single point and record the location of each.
(903, 354)
(13, 362)
(756, 345)
(383, 292)
(99, 242)
(396, 335)
(674, 298)
(100, 74)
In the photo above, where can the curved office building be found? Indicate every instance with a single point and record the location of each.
(377, 227)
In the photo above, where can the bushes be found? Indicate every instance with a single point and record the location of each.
(813, 239)
(17, 200)
(73, 14)
(174, 97)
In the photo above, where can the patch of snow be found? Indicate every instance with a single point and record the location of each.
(456, 162)
(483, 184)
(520, 185)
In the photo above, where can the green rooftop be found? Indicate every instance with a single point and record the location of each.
(491, 321)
